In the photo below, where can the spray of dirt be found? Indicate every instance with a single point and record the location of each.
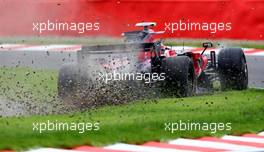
(11, 108)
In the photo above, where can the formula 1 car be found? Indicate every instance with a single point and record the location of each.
(143, 66)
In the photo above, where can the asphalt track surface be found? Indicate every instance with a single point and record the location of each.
(54, 56)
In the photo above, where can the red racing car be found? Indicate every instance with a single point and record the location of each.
(156, 65)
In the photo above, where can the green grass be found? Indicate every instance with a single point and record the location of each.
(28, 84)
(135, 122)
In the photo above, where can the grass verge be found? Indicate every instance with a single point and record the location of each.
(135, 122)
(28, 84)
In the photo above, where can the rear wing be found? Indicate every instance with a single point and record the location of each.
(88, 53)
(116, 48)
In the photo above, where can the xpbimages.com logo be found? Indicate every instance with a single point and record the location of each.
(79, 27)
(80, 127)
(146, 77)
(188, 25)
(196, 126)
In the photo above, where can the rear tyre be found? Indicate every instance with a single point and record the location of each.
(232, 67)
(180, 76)
(68, 81)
